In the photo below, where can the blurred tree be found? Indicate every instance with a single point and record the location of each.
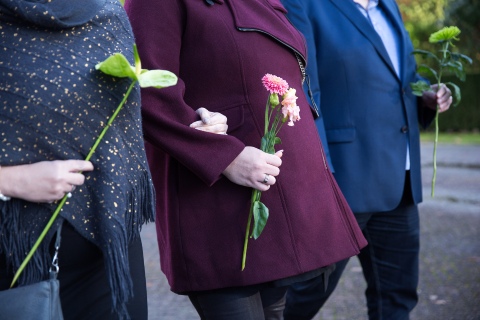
(465, 14)
(423, 17)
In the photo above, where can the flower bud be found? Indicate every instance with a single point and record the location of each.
(274, 101)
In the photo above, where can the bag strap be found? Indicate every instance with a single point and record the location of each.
(54, 268)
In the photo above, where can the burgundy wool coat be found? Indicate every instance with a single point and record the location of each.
(220, 53)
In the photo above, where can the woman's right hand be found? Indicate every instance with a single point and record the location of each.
(44, 181)
(254, 168)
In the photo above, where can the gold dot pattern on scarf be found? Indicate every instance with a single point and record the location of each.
(54, 104)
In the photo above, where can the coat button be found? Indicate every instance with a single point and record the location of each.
(404, 129)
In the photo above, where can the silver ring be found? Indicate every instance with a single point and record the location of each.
(265, 180)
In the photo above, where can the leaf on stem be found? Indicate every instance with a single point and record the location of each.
(426, 54)
(428, 71)
(157, 79)
(419, 87)
(118, 66)
(457, 95)
(260, 217)
(461, 57)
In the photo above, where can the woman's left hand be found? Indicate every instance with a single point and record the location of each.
(213, 122)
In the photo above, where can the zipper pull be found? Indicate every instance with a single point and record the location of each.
(310, 95)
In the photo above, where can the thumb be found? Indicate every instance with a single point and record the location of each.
(279, 153)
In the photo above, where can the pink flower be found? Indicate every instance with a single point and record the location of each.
(290, 108)
(275, 84)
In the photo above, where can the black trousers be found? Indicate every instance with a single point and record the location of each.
(84, 289)
(240, 303)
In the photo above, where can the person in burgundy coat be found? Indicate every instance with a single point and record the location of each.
(220, 51)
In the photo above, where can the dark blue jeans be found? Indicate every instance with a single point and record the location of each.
(390, 267)
(241, 303)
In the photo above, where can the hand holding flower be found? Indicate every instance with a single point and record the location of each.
(117, 66)
(275, 117)
(441, 99)
(438, 97)
(250, 167)
(43, 181)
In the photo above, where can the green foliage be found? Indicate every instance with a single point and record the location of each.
(445, 60)
(260, 216)
(118, 66)
(423, 17)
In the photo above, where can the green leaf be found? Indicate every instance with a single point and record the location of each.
(457, 68)
(118, 66)
(420, 87)
(445, 34)
(157, 79)
(277, 140)
(426, 54)
(457, 95)
(428, 71)
(260, 217)
(263, 144)
(461, 57)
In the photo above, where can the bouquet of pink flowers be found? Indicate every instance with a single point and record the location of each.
(276, 114)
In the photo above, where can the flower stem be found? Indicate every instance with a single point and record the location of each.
(39, 240)
(435, 142)
(110, 121)
(247, 232)
(64, 199)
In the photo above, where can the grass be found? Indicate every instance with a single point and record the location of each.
(452, 138)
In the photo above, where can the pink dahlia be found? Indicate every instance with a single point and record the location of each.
(275, 84)
(290, 108)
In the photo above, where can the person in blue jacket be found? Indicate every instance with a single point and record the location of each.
(360, 66)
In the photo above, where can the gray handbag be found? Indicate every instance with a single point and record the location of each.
(38, 301)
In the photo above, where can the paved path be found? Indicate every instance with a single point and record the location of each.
(450, 254)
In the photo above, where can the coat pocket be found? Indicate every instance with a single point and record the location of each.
(235, 116)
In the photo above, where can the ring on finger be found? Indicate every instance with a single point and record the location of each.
(265, 180)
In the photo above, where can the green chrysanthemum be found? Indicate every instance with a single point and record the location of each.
(444, 34)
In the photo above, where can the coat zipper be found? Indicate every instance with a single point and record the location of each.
(302, 71)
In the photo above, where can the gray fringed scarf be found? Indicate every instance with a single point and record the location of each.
(53, 105)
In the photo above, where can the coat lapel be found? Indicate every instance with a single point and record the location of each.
(349, 9)
(268, 17)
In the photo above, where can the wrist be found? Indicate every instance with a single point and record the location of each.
(3, 197)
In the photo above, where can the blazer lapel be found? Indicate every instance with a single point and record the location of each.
(268, 17)
(349, 9)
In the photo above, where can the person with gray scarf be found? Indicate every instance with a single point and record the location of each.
(53, 105)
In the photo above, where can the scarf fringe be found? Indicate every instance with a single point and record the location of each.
(141, 202)
(15, 247)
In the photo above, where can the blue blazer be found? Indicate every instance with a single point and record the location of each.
(368, 112)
